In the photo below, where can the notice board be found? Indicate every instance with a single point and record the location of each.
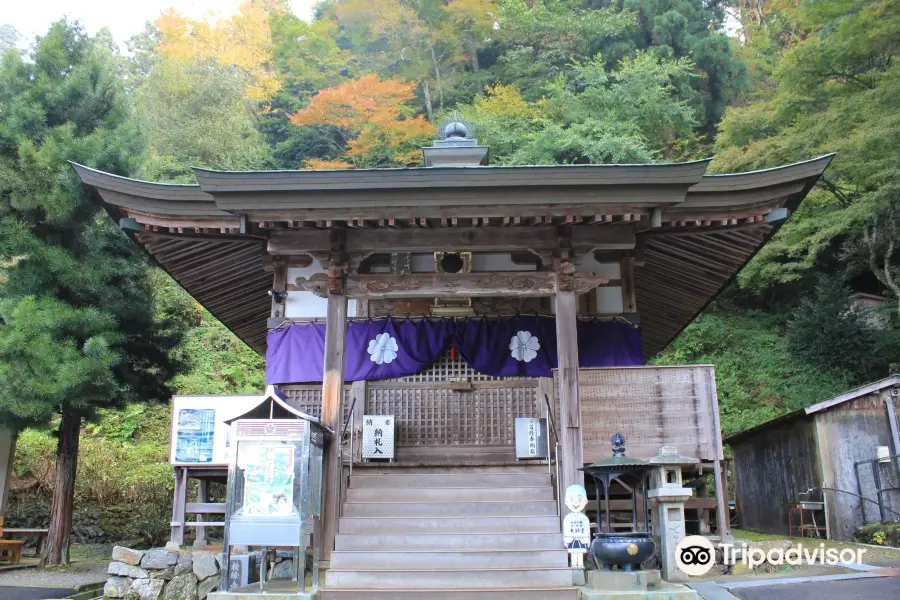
(199, 434)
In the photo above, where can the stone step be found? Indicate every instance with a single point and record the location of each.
(444, 541)
(450, 509)
(450, 480)
(398, 525)
(373, 494)
(560, 593)
(449, 578)
(416, 559)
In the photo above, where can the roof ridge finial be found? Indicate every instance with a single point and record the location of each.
(456, 126)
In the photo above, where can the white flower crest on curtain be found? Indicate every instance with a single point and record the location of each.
(383, 349)
(524, 346)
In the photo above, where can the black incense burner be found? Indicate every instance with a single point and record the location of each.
(627, 550)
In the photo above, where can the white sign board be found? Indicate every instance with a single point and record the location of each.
(378, 436)
(199, 434)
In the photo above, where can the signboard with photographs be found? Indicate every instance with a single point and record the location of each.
(378, 437)
(199, 433)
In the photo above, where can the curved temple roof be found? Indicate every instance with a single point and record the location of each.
(692, 232)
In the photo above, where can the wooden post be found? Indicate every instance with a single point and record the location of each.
(702, 513)
(178, 506)
(279, 284)
(7, 454)
(572, 450)
(723, 516)
(200, 530)
(629, 298)
(333, 411)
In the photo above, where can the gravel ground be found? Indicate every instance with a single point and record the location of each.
(59, 577)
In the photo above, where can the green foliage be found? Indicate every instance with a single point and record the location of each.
(196, 115)
(628, 115)
(757, 376)
(77, 329)
(879, 534)
(835, 86)
(824, 330)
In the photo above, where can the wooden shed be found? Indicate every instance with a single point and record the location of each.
(841, 451)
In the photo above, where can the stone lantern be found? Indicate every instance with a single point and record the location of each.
(668, 495)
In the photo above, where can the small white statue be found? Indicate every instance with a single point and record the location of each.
(576, 527)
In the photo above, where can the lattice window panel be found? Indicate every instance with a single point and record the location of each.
(308, 398)
(444, 369)
(440, 416)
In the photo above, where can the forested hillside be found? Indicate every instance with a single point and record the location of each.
(544, 82)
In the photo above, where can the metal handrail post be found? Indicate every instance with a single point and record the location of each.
(558, 487)
(340, 442)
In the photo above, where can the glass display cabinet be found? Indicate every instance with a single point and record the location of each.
(274, 488)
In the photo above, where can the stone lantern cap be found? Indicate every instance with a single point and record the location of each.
(668, 455)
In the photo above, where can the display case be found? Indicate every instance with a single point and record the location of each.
(274, 487)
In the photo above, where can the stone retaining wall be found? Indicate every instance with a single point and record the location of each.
(161, 574)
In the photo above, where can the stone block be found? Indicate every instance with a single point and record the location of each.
(207, 587)
(148, 589)
(159, 558)
(624, 580)
(127, 555)
(167, 574)
(182, 587)
(283, 570)
(666, 591)
(204, 565)
(116, 587)
(123, 570)
(185, 564)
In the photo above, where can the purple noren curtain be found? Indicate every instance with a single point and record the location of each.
(502, 347)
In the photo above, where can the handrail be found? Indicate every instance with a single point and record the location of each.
(340, 441)
(550, 416)
(555, 455)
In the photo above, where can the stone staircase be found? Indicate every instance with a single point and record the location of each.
(449, 533)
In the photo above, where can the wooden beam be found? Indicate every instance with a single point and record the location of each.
(333, 411)
(469, 239)
(429, 285)
(569, 399)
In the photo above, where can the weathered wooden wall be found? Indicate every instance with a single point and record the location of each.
(849, 433)
(651, 407)
(770, 468)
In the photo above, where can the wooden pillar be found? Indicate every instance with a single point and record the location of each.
(200, 530)
(723, 515)
(572, 451)
(178, 505)
(279, 285)
(7, 454)
(333, 411)
(629, 297)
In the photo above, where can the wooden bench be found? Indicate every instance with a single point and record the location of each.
(10, 550)
(22, 533)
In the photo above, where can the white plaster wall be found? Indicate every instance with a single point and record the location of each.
(492, 261)
(609, 299)
(306, 305)
(421, 263)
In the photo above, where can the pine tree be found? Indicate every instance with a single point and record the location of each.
(79, 329)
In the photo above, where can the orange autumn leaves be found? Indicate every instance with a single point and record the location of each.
(373, 117)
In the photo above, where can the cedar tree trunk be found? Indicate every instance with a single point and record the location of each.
(56, 546)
